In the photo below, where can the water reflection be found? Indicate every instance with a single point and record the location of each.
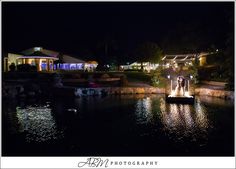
(143, 110)
(38, 123)
(119, 125)
(201, 117)
(182, 120)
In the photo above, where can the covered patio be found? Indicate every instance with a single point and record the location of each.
(42, 61)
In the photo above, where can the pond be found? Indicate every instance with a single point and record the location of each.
(126, 125)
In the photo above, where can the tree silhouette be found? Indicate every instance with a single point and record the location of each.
(148, 52)
(107, 51)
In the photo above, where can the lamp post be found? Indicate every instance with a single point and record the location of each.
(170, 83)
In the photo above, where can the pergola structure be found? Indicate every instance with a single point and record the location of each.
(185, 58)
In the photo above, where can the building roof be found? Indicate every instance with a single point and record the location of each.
(38, 54)
(69, 59)
(39, 51)
(35, 51)
(36, 57)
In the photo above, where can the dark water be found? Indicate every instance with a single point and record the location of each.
(129, 125)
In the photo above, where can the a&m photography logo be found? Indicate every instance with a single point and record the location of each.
(97, 162)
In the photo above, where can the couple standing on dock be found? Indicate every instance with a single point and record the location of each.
(180, 88)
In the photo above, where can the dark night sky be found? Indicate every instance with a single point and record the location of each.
(68, 27)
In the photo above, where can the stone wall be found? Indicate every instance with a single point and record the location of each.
(109, 91)
(153, 90)
(214, 93)
(214, 83)
(33, 89)
(135, 90)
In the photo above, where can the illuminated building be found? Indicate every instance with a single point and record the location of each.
(185, 59)
(147, 66)
(47, 60)
(168, 61)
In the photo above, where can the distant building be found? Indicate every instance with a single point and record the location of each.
(147, 66)
(47, 60)
(167, 61)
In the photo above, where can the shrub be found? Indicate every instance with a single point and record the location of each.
(123, 80)
(77, 76)
(12, 67)
(102, 67)
(155, 80)
(104, 76)
(26, 68)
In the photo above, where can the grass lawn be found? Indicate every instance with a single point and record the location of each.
(138, 77)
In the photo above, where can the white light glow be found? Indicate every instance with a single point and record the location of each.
(37, 48)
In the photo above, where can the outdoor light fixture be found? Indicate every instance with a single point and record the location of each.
(191, 76)
(168, 76)
(37, 48)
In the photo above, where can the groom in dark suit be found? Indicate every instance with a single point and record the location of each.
(182, 84)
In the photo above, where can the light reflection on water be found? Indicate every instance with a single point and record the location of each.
(38, 124)
(143, 110)
(119, 125)
(180, 120)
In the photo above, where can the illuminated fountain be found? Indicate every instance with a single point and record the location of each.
(181, 93)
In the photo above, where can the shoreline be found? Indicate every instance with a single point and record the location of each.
(19, 90)
(148, 90)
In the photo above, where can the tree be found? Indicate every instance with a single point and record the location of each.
(107, 52)
(148, 52)
(228, 65)
(59, 61)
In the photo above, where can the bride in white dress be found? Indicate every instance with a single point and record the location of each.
(178, 87)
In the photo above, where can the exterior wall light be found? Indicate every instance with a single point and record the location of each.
(37, 48)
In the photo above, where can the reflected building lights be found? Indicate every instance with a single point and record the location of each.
(143, 110)
(187, 116)
(201, 117)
